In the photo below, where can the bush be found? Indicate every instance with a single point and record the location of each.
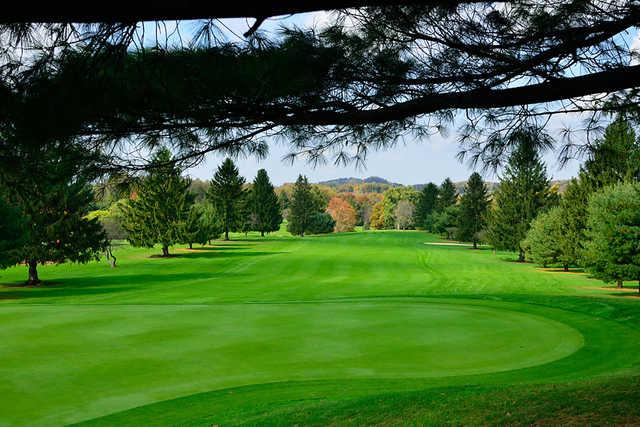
(321, 223)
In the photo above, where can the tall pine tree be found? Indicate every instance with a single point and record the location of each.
(302, 207)
(473, 208)
(573, 222)
(613, 158)
(523, 193)
(264, 206)
(226, 193)
(159, 210)
(426, 204)
(446, 195)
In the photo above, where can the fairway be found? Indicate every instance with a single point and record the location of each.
(281, 322)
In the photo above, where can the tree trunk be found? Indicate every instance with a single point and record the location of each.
(619, 284)
(226, 234)
(33, 273)
(165, 251)
(261, 233)
(190, 245)
(475, 245)
(112, 259)
(566, 267)
(521, 256)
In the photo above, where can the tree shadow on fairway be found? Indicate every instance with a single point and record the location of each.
(214, 248)
(214, 253)
(98, 285)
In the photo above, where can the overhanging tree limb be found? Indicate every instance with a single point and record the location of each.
(126, 11)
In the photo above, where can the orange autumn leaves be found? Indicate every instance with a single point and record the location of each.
(343, 214)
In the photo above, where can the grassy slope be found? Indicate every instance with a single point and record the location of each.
(337, 309)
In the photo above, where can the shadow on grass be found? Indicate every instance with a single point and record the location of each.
(98, 285)
(215, 248)
(214, 253)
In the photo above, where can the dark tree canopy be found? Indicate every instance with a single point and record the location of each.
(13, 229)
(365, 81)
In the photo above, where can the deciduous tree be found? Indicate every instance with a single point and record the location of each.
(343, 214)
(404, 214)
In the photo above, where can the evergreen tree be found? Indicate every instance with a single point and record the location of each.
(301, 207)
(473, 208)
(158, 211)
(542, 244)
(573, 221)
(13, 229)
(613, 250)
(446, 222)
(523, 193)
(283, 199)
(321, 223)
(614, 158)
(192, 232)
(210, 224)
(59, 230)
(446, 195)
(50, 190)
(226, 194)
(426, 204)
(264, 206)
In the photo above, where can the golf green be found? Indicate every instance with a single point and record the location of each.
(165, 351)
(222, 334)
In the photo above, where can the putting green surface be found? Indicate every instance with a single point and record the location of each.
(220, 334)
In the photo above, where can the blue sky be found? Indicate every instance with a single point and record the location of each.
(416, 161)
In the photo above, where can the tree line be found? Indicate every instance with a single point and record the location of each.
(593, 225)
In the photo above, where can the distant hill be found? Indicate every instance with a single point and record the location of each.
(378, 184)
(370, 180)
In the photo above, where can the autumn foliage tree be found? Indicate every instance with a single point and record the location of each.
(343, 214)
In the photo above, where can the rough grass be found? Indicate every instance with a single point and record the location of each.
(356, 328)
